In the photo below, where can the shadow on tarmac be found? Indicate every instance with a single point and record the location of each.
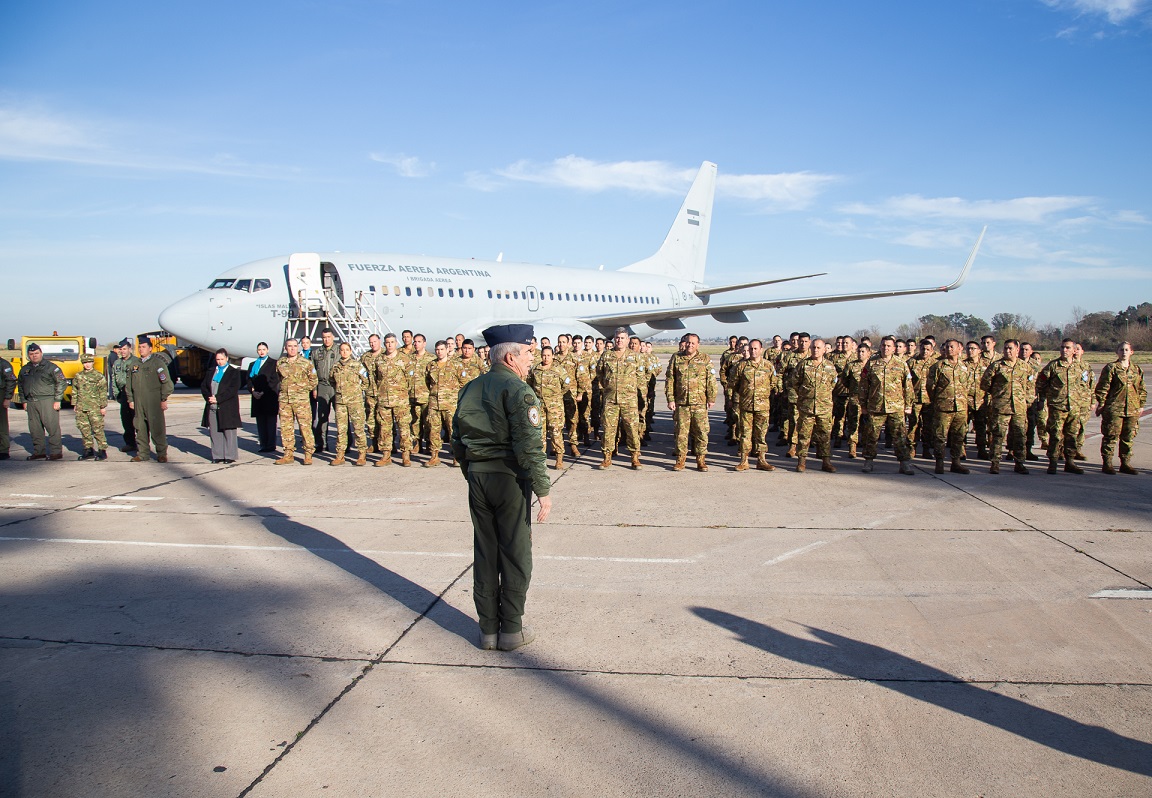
(904, 675)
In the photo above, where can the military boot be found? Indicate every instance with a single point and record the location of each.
(307, 459)
(287, 459)
(762, 464)
(88, 453)
(801, 465)
(939, 464)
(1020, 468)
(385, 460)
(1079, 455)
(851, 451)
(406, 458)
(827, 466)
(572, 448)
(1125, 468)
(1030, 456)
(791, 451)
(1053, 465)
(362, 459)
(606, 463)
(433, 461)
(700, 464)
(559, 464)
(1107, 467)
(906, 468)
(338, 460)
(1071, 467)
(743, 464)
(867, 469)
(102, 455)
(680, 463)
(636, 466)
(994, 467)
(959, 468)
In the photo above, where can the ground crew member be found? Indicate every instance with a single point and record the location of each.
(619, 373)
(443, 387)
(90, 398)
(7, 391)
(550, 381)
(885, 400)
(149, 386)
(753, 383)
(418, 363)
(496, 441)
(42, 389)
(297, 381)
(1120, 395)
(121, 370)
(393, 406)
(347, 378)
(368, 361)
(690, 390)
(1008, 382)
(812, 382)
(949, 387)
(1059, 386)
(850, 379)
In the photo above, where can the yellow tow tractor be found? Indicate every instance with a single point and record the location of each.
(64, 351)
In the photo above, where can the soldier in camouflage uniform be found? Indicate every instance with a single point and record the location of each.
(985, 415)
(1061, 386)
(443, 378)
(753, 384)
(392, 403)
(121, 369)
(90, 399)
(149, 386)
(920, 419)
(581, 383)
(418, 363)
(977, 398)
(297, 381)
(1036, 405)
(840, 357)
(348, 378)
(1087, 410)
(885, 398)
(469, 366)
(690, 390)
(949, 386)
(655, 369)
(1120, 395)
(1008, 382)
(731, 410)
(813, 380)
(791, 362)
(618, 371)
(550, 381)
(368, 362)
(7, 391)
(850, 385)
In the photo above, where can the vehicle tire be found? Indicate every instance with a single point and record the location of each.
(189, 382)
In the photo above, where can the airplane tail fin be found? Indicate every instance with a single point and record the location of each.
(684, 253)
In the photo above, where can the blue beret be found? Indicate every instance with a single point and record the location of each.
(508, 334)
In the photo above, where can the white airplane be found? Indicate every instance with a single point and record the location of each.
(357, 294)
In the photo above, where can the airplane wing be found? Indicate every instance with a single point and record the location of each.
(735, 312)
(720, 289)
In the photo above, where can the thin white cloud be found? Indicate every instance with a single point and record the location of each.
(1029, 210)
(1117, 12)
(405, 165)
(788, 190)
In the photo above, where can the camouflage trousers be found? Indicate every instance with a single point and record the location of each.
(1037, 423)
(814, 429)
(851, 429)
(350, 414)
(920, 425)
(385, 418)
(651, 412)
(753, 428)
(596, 411)
(435, 420)
(732, 410)
(950, 432)
(90, 423)
(1063, 429)
(417, 410)
(292, 409)
(641, 411)
(897, 428)
(981, 424)
(691, 419)
(552, 426)
(571, 417)
(370, 417)
(1014, 427)
(584, 408)
(1115, 427)
(839, 409)
(624, 418)
(1084, 415)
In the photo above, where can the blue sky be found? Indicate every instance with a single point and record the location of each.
(145, 147)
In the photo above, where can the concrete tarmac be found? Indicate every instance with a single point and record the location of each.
(192, 629)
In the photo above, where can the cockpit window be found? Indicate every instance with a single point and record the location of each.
(223, 282)
(260, 284)
(243, 285)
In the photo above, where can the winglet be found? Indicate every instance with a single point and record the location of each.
(968, 265)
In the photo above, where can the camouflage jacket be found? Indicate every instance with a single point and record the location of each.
(1121, 391)
(726, 358)
(7, 380)
(469, 369)
(392, 381)
(918, 368)
(369, 360)
(753, 383)
(348, 378)
(89, 390)
(949, 385)
(885, 387)
(976, 394)
(655, 367)
(1065, 385)
(297, 377)
(1009, 386)
(550, 383)
(620, 377)
(577, 370)
(443, 381)
(691, 380)
(811, 387)
(418, 376)
(850, 378)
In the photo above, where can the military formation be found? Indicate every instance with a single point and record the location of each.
(398, 400)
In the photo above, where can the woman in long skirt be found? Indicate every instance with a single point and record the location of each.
(221, 390)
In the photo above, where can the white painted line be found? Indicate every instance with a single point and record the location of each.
(33, 495)
(138, 498)
(789, 554)
(106, 507)
(92, 497)
(1124, 593)
(644, 560)
(11, 505)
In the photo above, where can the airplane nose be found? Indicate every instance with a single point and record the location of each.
(187, 318)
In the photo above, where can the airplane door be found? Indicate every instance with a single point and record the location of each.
(533, 297)
(306, 282)
(675, 295)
